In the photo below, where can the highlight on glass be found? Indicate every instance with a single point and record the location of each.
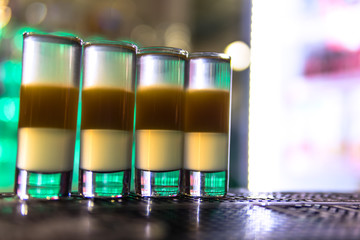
(48, 114)
(207, 125)
(107, 120)
(159, 121)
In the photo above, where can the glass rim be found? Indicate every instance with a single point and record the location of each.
(178, 52)
(212, 55)
(54, 38)
(111, 44)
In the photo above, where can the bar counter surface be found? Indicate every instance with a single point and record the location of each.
(240, 215)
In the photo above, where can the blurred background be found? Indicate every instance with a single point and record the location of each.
(304, 122)
(201, 25)
(295, 111)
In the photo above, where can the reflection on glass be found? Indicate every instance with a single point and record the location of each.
(23, 209)
(159, 121)
(206, 125)
(48, 114)
(108, 100)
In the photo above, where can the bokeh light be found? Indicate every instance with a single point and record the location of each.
(144, 34)
(5, 15)
(36, 13)
(240, 55)
(9, 109)
(10, 71)
(178, 35)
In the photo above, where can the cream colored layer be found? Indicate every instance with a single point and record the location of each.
(45, 149)
(206, 151)
(108, 68)
(105, 150)
(45, 62)
(159, 150)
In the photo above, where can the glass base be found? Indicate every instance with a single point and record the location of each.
(157, 184)
(51, 186)
(204, 184)
(104, 184)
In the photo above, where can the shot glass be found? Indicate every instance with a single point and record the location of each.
(206, 125)
(159, 121)
(107, 119)
(48, 113)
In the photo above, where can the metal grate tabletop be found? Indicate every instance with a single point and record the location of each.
(241, 215)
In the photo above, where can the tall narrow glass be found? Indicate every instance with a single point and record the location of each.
(107, 119)
(48, 114)
(159, 121)
(206, 125)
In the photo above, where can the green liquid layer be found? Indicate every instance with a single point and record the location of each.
(104, 185)
(157, 184)
(204, 184)
(42, 185)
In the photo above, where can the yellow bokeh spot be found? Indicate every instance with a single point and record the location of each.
(4, 2)
(5, 15)
(240, 55)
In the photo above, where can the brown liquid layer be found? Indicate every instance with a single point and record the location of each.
(48, 106)
(207, 111)
(159, 108)
(107, 108)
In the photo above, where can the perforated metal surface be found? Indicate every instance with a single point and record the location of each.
(241, 215)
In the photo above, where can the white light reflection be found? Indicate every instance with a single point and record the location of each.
(29, 72)
(198, 71)
(265, 115)
(148, 207)
(198, 214)
(195, 182)
(89, 184)
(21, 192)
(90, 205)
(24, 209)
(259, 222)
(149, 70)
(90, 68)
(146, 183)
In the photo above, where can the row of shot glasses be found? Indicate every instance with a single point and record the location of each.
(169, 108)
